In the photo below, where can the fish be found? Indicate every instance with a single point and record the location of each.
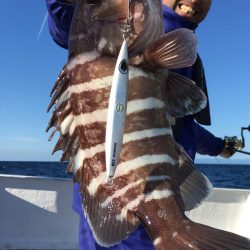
(155, 181)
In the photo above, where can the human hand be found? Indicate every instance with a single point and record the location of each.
(227, 152)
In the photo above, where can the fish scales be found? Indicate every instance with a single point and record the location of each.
(130, 147)
(155, 181)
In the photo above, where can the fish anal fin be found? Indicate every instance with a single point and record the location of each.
(176, 49)
(183, 97)
(194, 186)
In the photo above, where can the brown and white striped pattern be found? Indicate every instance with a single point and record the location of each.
(146, 136)
(145, 96)
(149, 160)
(155, 181)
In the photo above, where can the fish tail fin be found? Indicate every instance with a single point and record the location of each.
(176, 49)
(191, 235)
(170, 229)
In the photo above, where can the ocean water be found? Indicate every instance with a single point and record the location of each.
(221, 175)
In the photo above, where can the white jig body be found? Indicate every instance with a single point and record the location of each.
(117, 111)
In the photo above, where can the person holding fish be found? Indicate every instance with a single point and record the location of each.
(192, 136)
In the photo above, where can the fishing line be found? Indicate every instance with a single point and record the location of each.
(218, 161)
(42, 26)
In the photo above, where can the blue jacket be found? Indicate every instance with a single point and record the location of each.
(193, 137)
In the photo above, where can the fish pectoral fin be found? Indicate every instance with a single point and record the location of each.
(174, 50)
(183, 97)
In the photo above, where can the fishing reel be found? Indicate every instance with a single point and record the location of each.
(234, 144)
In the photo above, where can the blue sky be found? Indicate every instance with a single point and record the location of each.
(30, 62)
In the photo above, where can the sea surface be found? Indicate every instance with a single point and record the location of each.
(221, 175)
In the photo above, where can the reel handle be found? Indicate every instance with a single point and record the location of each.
(246, 128)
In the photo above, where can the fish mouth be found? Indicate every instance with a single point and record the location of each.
(122, 17)
(137, 17)
(112, 10)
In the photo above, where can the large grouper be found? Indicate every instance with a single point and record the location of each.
(155, 181)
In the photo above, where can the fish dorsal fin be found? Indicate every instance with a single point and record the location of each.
(183, 97)
(176, 49)
(62, 119)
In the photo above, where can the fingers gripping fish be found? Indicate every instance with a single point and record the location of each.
(155, 182)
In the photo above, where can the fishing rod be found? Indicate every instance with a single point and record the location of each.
(235, 144)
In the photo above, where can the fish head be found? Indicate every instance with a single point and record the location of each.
(110, 10)
(194, 11)
(139, 21)
(109, 18)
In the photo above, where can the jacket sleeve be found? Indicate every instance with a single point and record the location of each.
(206, 142)
(59, 19)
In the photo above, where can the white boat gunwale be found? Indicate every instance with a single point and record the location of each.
(36, 212)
